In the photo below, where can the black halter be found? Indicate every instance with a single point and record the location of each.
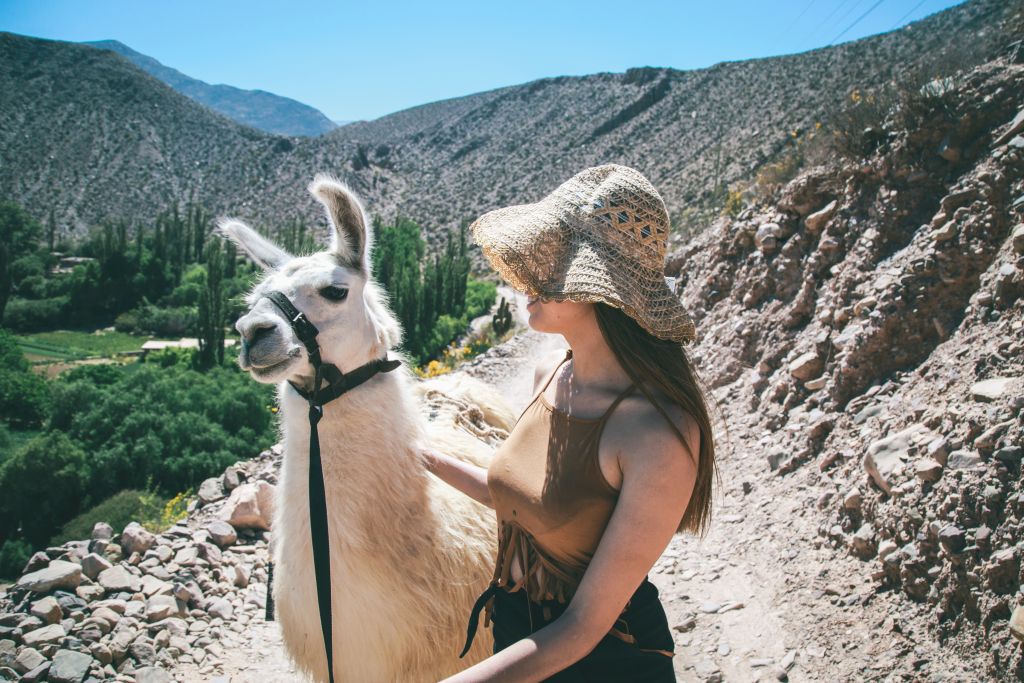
(339, 383)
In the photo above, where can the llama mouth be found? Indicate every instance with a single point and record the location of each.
(265, 371)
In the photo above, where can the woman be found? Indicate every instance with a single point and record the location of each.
(613, 455)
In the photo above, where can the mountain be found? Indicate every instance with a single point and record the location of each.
(693, 133)
(257, 108)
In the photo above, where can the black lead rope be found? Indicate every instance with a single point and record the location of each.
(339, 383)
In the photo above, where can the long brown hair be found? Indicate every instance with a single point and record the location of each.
(664, 364)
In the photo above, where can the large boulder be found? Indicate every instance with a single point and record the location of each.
(69, 667)
(135, 539)
(118, 579)
(59, 574)
(250, 506)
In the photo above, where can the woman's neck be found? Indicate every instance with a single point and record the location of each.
(594, 365)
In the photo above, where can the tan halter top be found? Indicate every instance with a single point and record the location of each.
(551, 498)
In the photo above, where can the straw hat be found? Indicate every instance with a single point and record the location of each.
(600, 236)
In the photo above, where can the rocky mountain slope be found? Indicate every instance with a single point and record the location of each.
(864, 337)
(87, 144)
(257, 108)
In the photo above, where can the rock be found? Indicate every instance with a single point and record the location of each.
(990, 389)
(862, 544)
(710, 607)
(250, 506)
(806, 367)
(1009, 454)
(1017, 623)
(816, 221)
(152, 674)
(93, 564)
(69, 666)
(1001, 571)
(945, 233)
(1018, 239)
(1015, 127)
(142, 652)
(887, 548)
(788, 660)
(117, 579)
(221, 533)
(101, 531)
(136, 539)
(210, 490)
(886, 457)
(47, 610)
(928, 470)
(101, 653)
(153, 586)
(938, 450)
(27, 660)
(219, 607)
(37, 675)
(953, 539)
(59, 574)
(853, 499)
(160, 607)
(234, 476)
(43, 636)
(964, 460)
(767, 237)
(242, 574)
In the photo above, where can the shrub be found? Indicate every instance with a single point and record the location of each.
(480, 296)
(33, 315)
(130, 505)
(162, 322)
(14, 555)
(44, 483)
(24, 398)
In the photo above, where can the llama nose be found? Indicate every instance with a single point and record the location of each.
(254, 330)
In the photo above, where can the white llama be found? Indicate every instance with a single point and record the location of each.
(408, 553)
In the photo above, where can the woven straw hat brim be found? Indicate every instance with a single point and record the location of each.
(534, 248)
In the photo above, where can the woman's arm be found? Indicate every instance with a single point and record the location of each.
(658, 478)
(466, 477)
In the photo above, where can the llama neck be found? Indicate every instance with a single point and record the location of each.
(366, 439)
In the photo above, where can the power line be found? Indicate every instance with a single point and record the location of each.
(849, 10)
(899, 21)
(856, 21)
(830, 15)
(800, 16)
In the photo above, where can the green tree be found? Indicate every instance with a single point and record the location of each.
(211, 309)
(18, 236)
(44, 484)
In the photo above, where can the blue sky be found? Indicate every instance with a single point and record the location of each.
(365, 59)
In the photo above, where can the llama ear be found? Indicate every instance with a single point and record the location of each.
(262, 251)
(350, 239)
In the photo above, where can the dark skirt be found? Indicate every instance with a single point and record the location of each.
(614, 659)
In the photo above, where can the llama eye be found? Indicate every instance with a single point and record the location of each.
(334, 293)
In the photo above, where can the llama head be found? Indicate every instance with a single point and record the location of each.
(334, 288)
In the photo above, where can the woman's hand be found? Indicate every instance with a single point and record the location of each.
(466, 477)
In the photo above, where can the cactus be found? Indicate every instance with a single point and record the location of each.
(501, 321)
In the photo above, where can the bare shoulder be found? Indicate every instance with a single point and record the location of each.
(545, 365)
(638, 427)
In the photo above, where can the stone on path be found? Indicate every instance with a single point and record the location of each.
(152, 674)
(1017, 623)
(118, 579)
(991, 389)
(69, 666)
(250, 506)
(59, 574)
(47, 610)
(136, 539)
(43, 636)
(886, 457)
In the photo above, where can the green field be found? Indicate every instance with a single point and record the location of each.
(74, 345)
